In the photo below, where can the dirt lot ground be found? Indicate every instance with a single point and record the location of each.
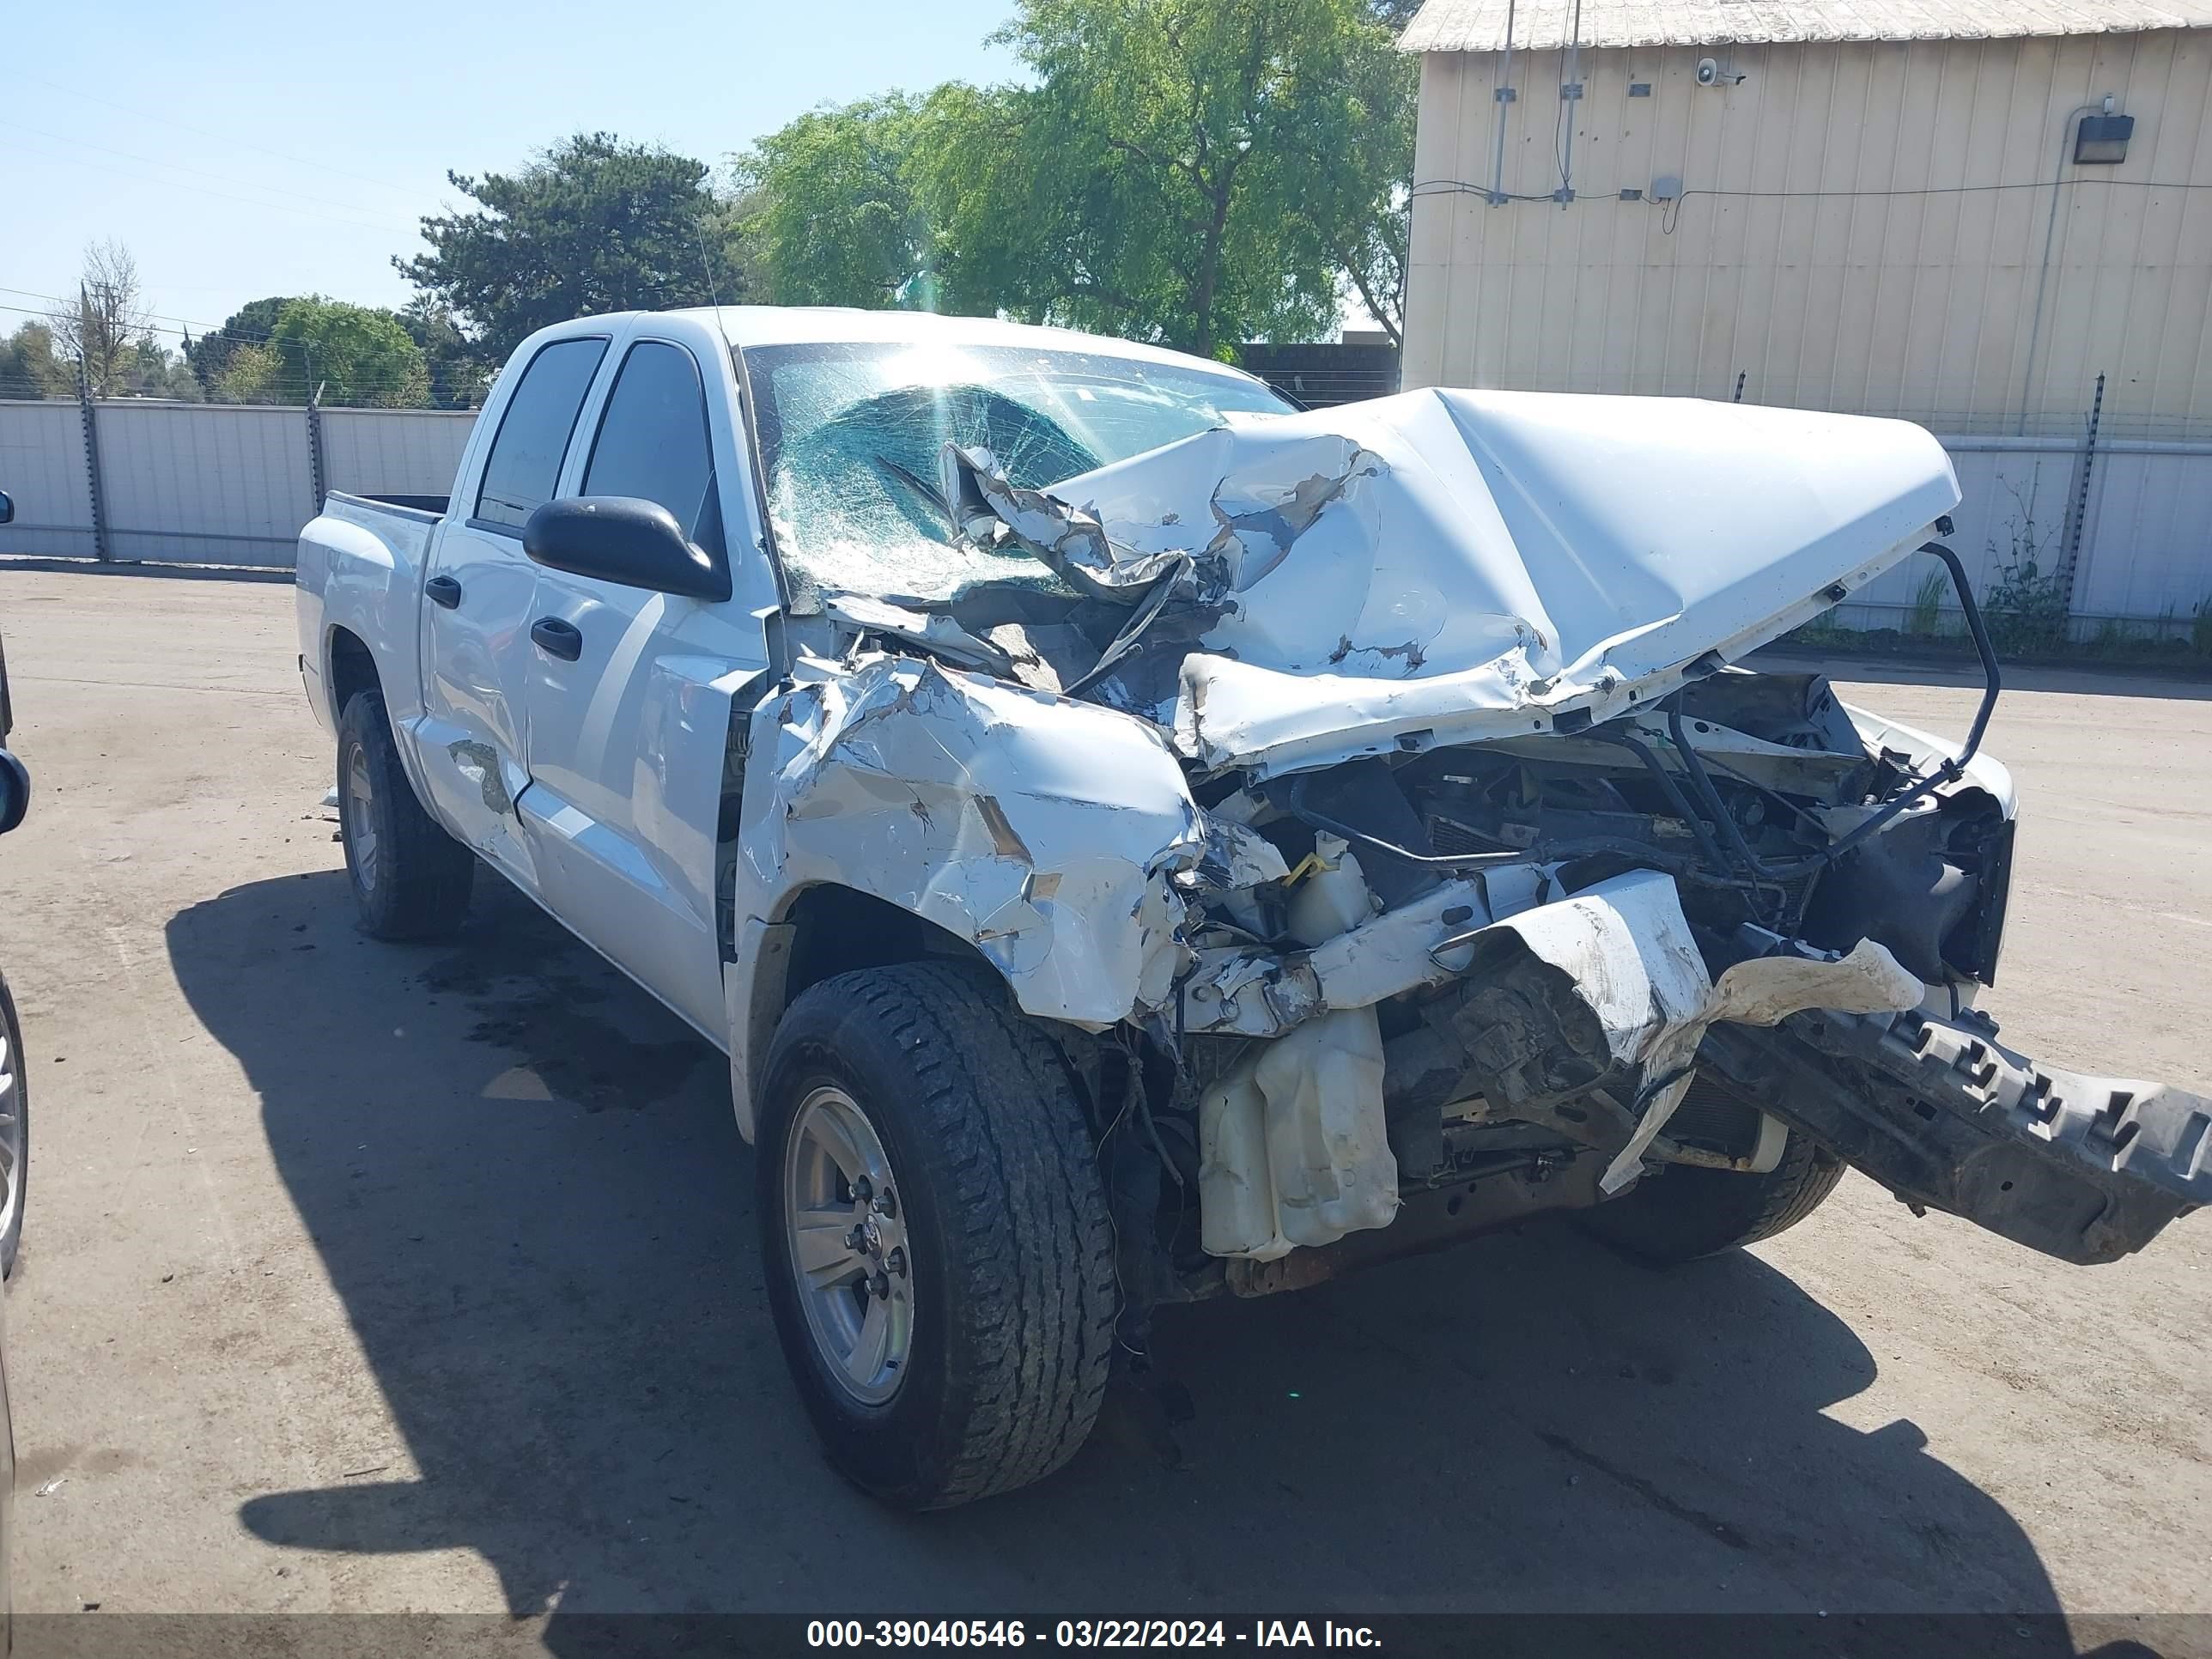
(368, 1278)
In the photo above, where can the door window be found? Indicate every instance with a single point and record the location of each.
(652, 441)
(533, 433)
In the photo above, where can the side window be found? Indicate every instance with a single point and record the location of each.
(533, 434)
(652, 441)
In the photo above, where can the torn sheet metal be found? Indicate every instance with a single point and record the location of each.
(934, 629)
(1628, 951)
(1236, 991)
(1450, 566)
(1048, 833)
(1630, 997)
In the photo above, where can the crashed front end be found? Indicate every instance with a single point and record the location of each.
(1373, 807)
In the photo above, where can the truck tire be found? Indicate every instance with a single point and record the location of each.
(410, 878)
(915, 1106)
(15, 1132)
(1687, 1211)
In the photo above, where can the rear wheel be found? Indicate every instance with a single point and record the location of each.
(411, 879)
(1686, 1212)
(936, 1241)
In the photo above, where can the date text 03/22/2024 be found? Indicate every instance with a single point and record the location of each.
(941, 1633)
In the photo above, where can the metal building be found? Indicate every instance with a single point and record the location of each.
(1963, 212)
(1916, 207)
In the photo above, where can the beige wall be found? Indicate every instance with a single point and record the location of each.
(1916, 303)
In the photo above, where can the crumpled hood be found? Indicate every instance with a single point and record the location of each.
(1447, 566)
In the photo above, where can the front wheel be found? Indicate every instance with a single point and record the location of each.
(938, 1257)
(411, 879)
(1686, 1212)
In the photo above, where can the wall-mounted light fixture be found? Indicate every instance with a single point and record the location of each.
(2102, 140)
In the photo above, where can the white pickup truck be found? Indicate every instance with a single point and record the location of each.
(1136, 841)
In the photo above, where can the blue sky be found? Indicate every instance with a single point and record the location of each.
(241, 149)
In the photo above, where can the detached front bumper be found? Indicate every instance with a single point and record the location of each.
(2086, 1168)
(1589, 1014)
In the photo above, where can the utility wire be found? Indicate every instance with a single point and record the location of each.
(19, 76)
(1460, 188)
(246, 201)
(220, 178)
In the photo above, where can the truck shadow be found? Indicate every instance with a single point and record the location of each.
(524, 1182)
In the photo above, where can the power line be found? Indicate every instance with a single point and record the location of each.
(1673, 209)
(245, 336)
(246, 201)
(389, 380)
(220, 178)
(17, 76)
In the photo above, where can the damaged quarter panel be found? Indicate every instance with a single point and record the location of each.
(1045, 832)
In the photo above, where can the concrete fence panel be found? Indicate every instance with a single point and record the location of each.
(2146, 545)
(42, 469)
(394, 452)
(205, 484)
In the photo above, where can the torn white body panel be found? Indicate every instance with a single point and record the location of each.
(1628, 950)
(1293, 1141)
(1449, 566)
(1044, 831)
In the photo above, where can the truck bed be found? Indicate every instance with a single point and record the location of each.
(428, 506)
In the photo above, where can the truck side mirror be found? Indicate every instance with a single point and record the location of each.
(15, 791)
(621, 539)
(7, 509)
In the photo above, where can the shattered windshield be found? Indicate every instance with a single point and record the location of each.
(850, 435)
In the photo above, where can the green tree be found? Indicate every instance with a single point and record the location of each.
(252, 324)
(354, 353)
(253, 374)
(460, 374)
(833, 218)
(1198, 171)
(593, 225)
(1178, 194)
(1352, 156)
(150, 369)
(28, 367)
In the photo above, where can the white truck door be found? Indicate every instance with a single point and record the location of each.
(477, 614)
(629, 694)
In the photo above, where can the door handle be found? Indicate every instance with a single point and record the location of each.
(444, 590)
(556, 638)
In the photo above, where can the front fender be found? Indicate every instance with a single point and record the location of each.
(1046, 832)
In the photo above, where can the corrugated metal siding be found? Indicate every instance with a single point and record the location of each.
(394, 452)
(42, 469)
(1481, 25)
(1831, 276)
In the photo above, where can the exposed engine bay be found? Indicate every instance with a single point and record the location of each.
(1371, 804)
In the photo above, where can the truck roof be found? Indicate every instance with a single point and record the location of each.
(764, 325)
